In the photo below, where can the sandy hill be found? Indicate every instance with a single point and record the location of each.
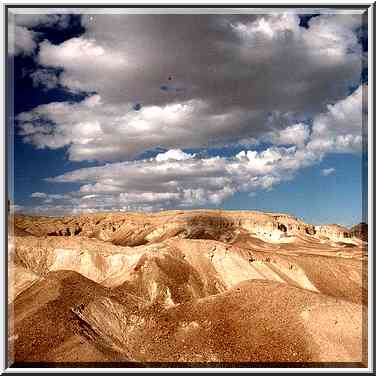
(186, 286)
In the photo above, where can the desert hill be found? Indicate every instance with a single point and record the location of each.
(138, 228)
(186, 286)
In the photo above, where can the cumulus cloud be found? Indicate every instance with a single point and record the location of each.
(256, 66)
(49, 197)
(179, 182)
(173, 154)
(94, 130)
(342, 127)
(44, 78)
(181, 82)
(21, 40)
(39, 195)
(178, 179)
(296, 134)
(54, 18)
(328, 171)
(75, 53)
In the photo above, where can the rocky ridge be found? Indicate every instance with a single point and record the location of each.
(137, 229)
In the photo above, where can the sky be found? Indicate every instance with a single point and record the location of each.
(146, 112)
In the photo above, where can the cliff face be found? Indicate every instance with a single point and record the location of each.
(334, 232)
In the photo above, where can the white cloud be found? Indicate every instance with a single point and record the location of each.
(342, 127)
(21, 40)
(296, 134)
(44, 78)
(75, 53)
(328, 171)
(276, 66)
(264, 79)
(172, 183)
(95, 130)
(173, 154)
(52, 19)
(178, 179)
(49, 197)
(39, 195)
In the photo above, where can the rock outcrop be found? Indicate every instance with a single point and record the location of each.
(333, 232)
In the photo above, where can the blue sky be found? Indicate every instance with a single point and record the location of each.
(148, 120)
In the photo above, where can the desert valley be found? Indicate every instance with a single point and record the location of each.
(188, 287)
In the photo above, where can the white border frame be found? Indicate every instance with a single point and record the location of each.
(3, 206)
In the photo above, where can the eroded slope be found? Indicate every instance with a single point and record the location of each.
(200, 286)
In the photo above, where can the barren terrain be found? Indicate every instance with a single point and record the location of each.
(195, 286)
